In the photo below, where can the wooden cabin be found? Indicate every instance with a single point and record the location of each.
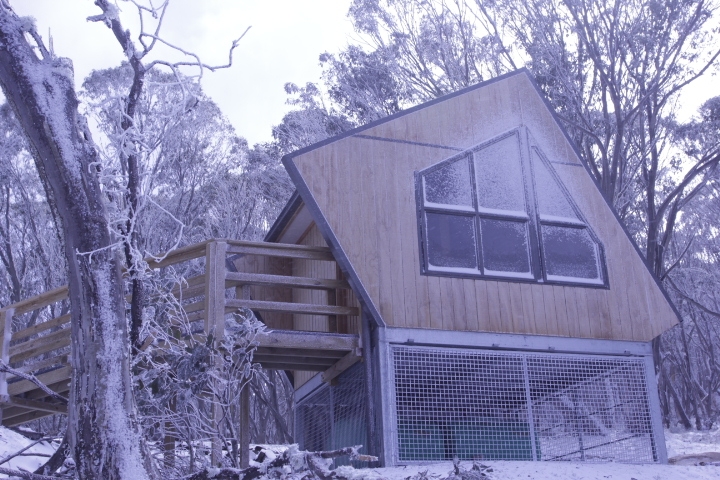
(505, 311)
(446, 282)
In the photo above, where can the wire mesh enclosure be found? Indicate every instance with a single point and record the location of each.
(475, 404)
(334, 416)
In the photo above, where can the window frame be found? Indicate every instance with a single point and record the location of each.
(533, 219)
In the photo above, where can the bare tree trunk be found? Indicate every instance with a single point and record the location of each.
(103, 432)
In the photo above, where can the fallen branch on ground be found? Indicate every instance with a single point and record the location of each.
(25, 475)
(290, 460)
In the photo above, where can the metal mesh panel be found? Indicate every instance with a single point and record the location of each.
(334, 416)
(591, 409)
(474, 405)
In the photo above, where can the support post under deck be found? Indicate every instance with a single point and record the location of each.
(215, 273)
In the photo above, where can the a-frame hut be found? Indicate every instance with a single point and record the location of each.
(506, 313)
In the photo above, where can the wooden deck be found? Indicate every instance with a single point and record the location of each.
(43, 348)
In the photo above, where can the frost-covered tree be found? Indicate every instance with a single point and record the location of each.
(97, 211)
(39, 86)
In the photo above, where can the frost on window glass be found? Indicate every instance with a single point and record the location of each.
(504, 246)
(451, 242)
(478, 220)
(499, 177)
(570, 254)
(552, 203)
(449, 186)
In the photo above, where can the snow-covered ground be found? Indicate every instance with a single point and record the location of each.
(12, 442)
(687, 447)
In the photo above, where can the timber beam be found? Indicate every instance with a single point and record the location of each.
(284, 307)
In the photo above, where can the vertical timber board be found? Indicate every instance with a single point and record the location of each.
(559, 309)
(471, 312)
(542, 305)
(508, 322)
(530, 310)
(516, 307)
(460, 313)
(584, 327)
(380, 153)
(572, 312)
(484, 319)
(494, 309)
(447, 303)
(402, 192)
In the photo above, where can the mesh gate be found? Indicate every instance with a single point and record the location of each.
(475, 405)
(334, 416)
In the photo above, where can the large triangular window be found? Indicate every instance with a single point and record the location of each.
(499, 210)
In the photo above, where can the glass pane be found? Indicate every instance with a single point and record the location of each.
(499, 176)
(570, 253)
(451, 242)
(504, 246)
(551, 199)
(449, 185)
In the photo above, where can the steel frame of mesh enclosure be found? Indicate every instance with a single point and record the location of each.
(515, 397)
(331, 416)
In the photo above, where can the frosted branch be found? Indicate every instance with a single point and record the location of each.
(25, 475)
(197, 62)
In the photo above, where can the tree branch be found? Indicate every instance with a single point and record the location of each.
(4, 367)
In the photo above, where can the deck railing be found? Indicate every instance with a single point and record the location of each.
(43, 349)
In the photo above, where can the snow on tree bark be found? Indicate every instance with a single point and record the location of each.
(104, 435)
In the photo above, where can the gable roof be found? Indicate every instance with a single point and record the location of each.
(354, 184)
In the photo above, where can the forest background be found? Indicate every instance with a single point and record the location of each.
(175, 172)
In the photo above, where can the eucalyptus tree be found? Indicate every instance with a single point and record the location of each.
(103, 430)
(39, 86)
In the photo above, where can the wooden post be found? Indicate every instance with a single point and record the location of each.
(215, 273)
(244, 440)
(6, 317)
(169, 441)
(244, 427)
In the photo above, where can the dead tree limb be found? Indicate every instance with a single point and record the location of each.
(25, 475)
(312, 460)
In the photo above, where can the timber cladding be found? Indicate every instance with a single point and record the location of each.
(343, 297)
(364, 185)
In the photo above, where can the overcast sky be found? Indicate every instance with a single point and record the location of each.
(282, 46)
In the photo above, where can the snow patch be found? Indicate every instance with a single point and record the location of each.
(12, 442)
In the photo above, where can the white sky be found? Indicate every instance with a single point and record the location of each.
(283, 45)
